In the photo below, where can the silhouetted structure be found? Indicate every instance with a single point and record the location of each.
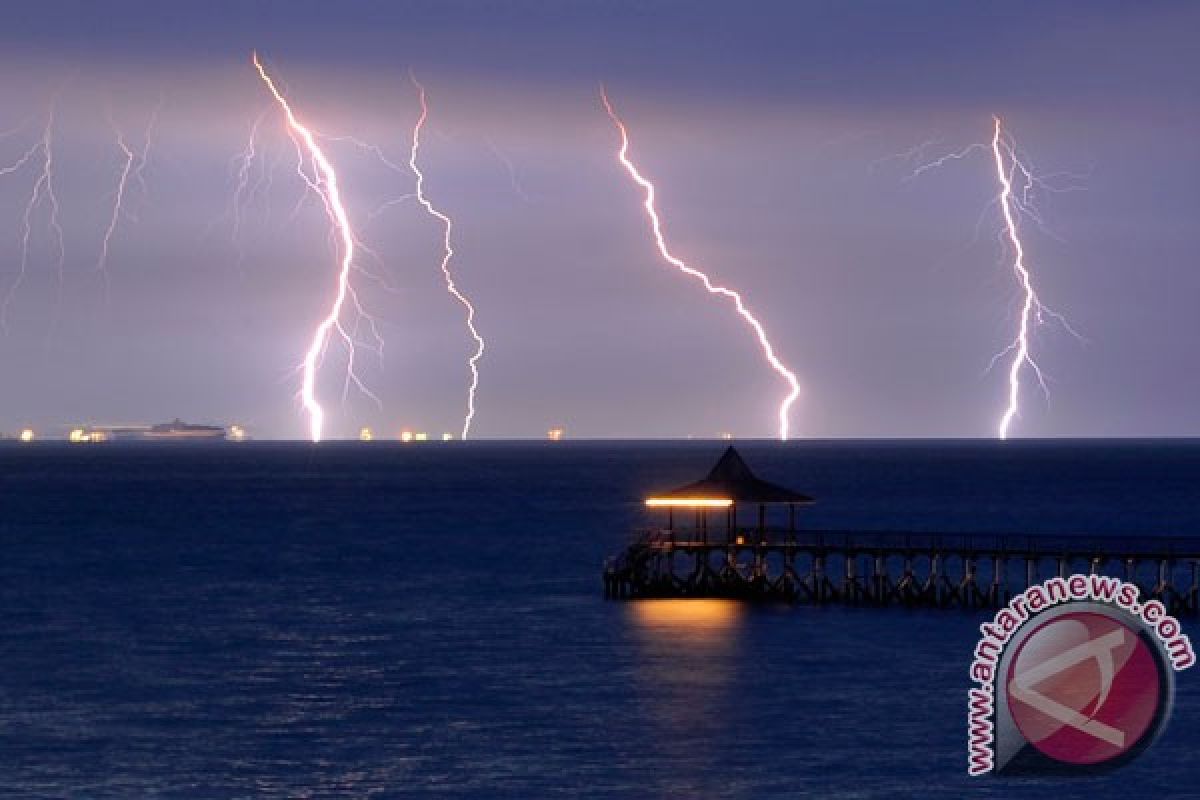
(882, 568)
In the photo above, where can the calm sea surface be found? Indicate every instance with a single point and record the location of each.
(281, 620)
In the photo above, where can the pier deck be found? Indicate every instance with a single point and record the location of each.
(720, 556)
(894, 568)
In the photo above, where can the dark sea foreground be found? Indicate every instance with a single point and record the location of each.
(426, 620)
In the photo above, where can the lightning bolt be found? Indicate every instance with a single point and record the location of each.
(41, 193)
(1031, 304)
(511, 169)
(133, 166)
(447, 254)
(241, 165)
(143, 158)
(1013, 205)
(325, 185)
(1018, 183)
(118, 199)
(656, 226)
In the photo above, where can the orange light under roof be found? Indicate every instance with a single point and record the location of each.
(688, 502)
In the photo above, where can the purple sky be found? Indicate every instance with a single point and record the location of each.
(768, 133)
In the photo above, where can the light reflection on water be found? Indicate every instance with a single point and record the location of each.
(707, 620)
(687, 662)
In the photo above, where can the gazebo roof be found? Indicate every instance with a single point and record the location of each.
(731, 480)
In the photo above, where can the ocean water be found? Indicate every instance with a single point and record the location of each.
(386, 620)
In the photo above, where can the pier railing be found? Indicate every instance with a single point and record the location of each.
(893, 567)
(866, 541)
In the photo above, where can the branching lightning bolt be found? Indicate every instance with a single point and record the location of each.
(1030, 304)
(1033, 311)
(143, 158)
(325, 185)
(243, 161)
(118, 199)
(660, 241)
(133, 166)
(42, 192)
(511, 169)
(1018, 182)
(447, 254)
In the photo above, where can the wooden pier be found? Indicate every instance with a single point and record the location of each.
(870, 568)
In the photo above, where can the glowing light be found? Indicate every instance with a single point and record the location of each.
(689, 502)
(406, 436)
(365, 435)
(447, 437)
(447, 254)
(78, 435)
(726, 436)
(421, 437)
(689, 613)
(27, 435)
(325, 184)
(656, 226)
(237, 433)
(555, 434)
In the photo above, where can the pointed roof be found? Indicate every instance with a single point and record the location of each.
(731, 478)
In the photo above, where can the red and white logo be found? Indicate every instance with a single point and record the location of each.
(1084, 688)
(1075, 673)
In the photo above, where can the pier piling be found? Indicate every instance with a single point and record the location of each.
(795, 568)
(761, 562)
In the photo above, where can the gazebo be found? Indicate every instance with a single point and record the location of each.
(729, 484)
